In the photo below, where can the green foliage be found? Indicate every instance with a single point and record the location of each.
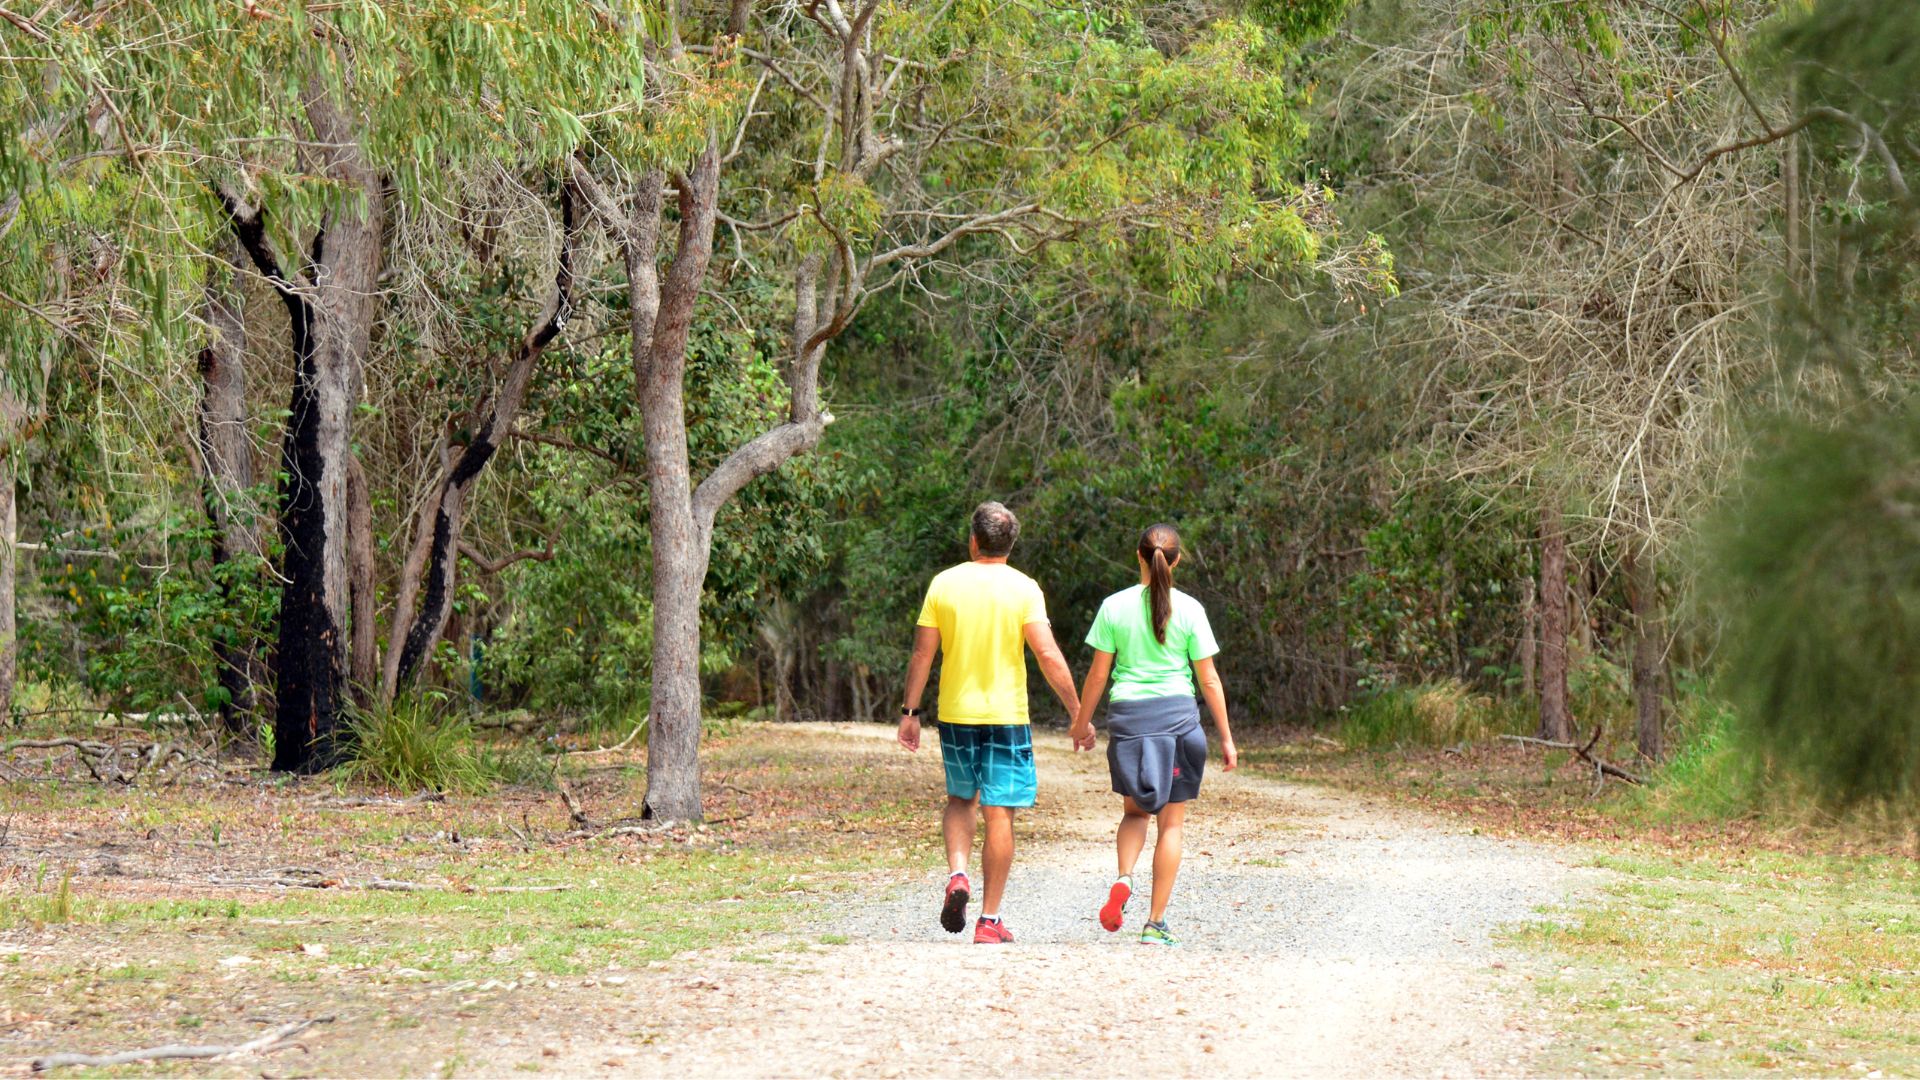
(418, 744)
(1435, 584)
(1813, 558)
(577, 637)
(1714, 775)
(147, 607)
(1823, 593)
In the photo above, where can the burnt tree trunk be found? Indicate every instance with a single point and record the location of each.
(331, 313)
(1556, 722)
(420, 617)
(227, 478)
(1648, 649)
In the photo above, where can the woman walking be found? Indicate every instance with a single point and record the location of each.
(1155, 643)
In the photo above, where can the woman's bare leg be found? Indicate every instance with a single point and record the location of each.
(1166, 855)
(1131, 838)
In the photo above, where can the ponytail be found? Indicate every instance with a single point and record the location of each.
(1160, 549)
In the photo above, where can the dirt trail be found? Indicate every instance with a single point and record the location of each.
(1322, 936)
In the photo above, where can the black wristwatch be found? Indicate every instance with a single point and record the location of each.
(906, 712)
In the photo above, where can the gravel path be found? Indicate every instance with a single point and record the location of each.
(1322, 936)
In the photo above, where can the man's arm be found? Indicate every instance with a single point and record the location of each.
(1053, 665)
(926, 642)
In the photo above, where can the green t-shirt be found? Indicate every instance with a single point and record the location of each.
(1142, 667)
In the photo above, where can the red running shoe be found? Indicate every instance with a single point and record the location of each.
(991, 932)
(953, 910)
(1110, 912)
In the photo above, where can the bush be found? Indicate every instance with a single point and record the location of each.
(1712, 776)
(1816, 572)
(1433, 714)
(418, 743)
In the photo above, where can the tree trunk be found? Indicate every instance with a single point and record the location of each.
(680, 545)
(1643, 598)
(1529, 635)
(9, 536)
(363, 664)
(227, 478)
(1555, 721)
(332, 321)
(435, 553)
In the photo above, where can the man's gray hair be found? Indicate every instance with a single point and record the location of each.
(995, 529)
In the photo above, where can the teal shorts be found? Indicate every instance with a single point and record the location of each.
(993, 761)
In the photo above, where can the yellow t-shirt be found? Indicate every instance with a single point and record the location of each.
(982, 611)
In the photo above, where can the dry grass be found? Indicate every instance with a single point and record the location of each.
(1781, 941)
(142, 944)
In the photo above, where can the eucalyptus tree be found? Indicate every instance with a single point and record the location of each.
(295, 127)
(844, 150)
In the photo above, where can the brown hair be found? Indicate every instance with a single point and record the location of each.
(1160, 549)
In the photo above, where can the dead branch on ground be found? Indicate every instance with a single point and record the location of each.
(1601, 767)
(115, 762)
(307, 877)
(267, 1041)
(619, 746)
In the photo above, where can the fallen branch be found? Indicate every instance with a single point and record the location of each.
(267, 1041)
(621, 745)
(1584, 753)
(389, 885)
(574, 809)
(411, 800)
(301, 877)
(105, 760)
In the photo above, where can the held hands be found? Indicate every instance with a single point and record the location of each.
(910, 732)
(1082, 735)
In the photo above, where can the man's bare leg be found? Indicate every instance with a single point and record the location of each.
(956, 824)
(996, 858)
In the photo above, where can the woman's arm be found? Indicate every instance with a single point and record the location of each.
(1096, 685)
(1216, 695)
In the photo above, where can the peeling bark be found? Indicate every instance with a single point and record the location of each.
(227, 476)
(331, 317)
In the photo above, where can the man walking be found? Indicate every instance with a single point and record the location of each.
(983, 614)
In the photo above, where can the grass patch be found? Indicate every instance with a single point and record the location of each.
(1734, 963)
(1433, 714)
(418, 744)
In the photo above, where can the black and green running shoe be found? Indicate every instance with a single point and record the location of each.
(1155, 933)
